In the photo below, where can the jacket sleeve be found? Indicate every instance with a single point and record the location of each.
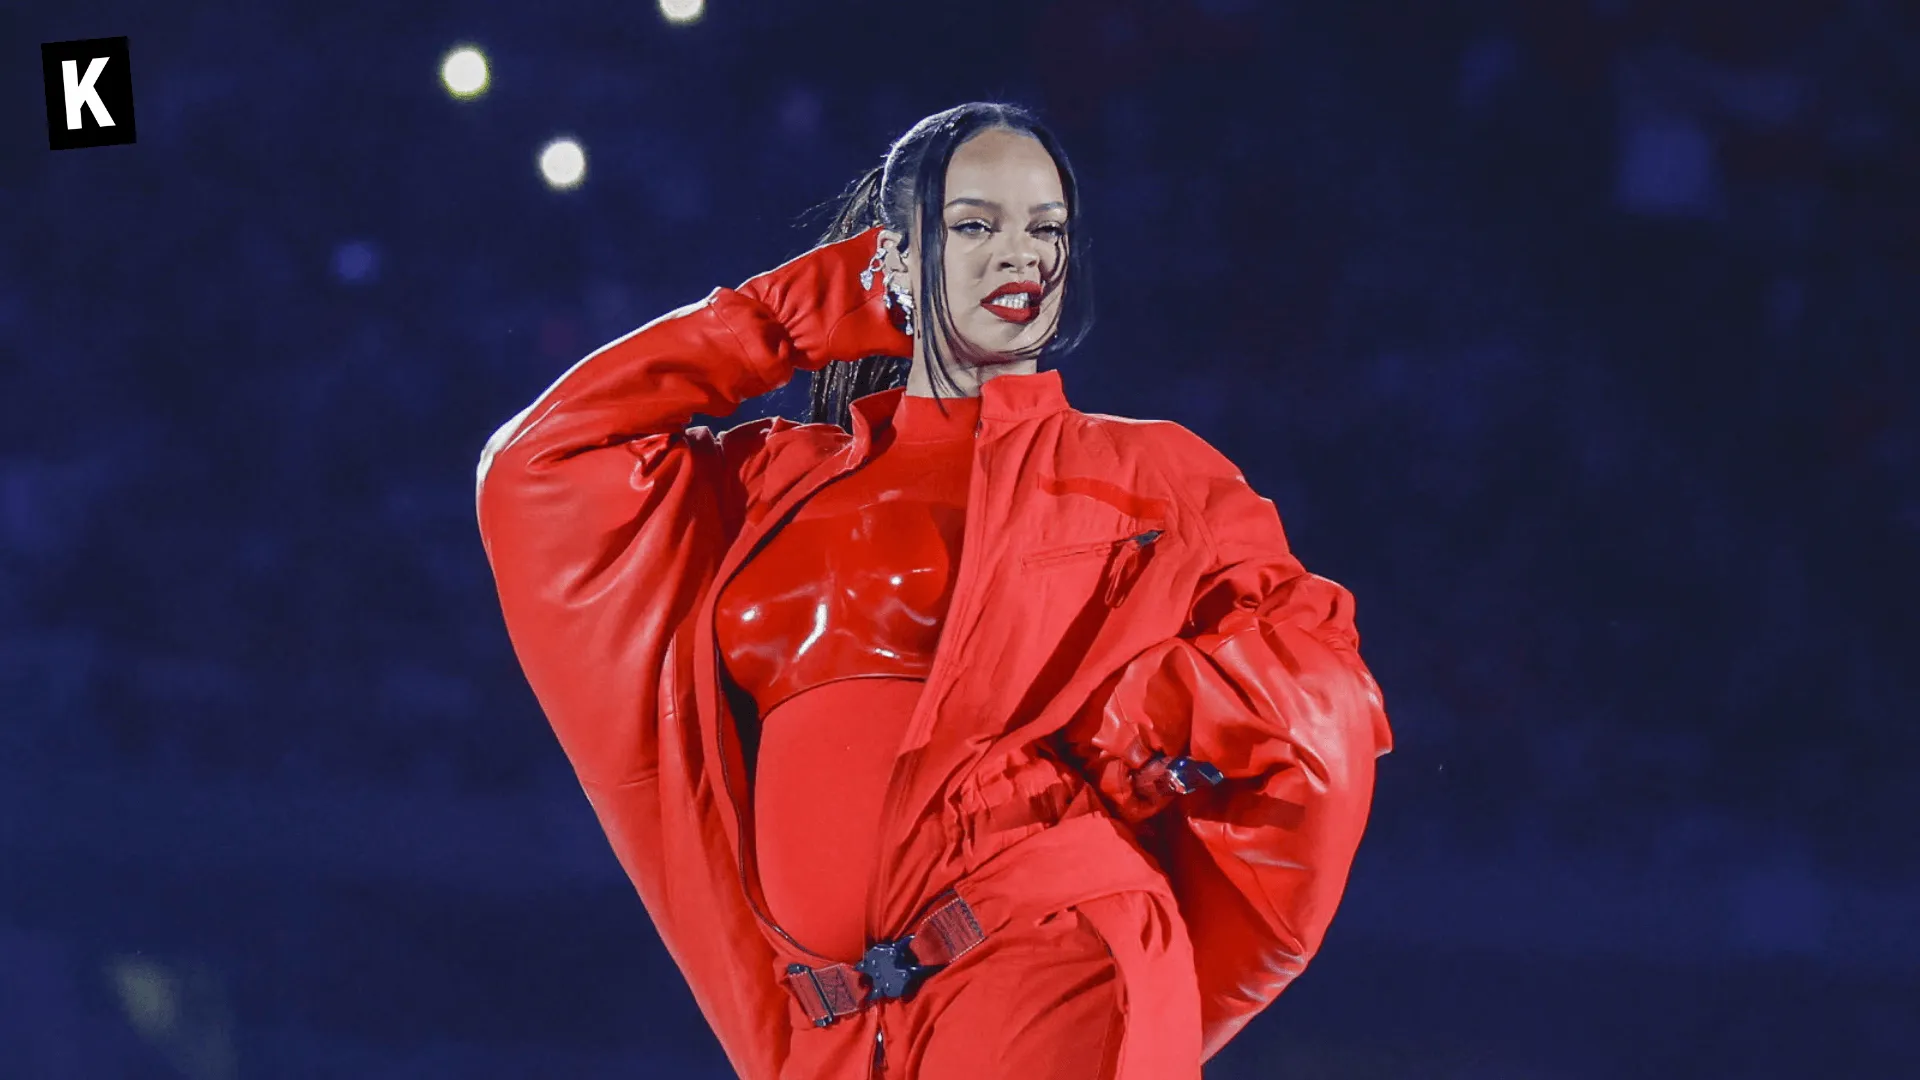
(604, 519)
(603, 516)
(1266, 683)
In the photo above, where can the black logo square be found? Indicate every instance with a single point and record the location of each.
(89, 93)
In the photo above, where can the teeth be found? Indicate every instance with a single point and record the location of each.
(1012, 300)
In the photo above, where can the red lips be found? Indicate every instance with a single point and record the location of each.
(1029, 289)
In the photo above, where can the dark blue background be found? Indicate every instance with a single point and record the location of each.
(1577, 338)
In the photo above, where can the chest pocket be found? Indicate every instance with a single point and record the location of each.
(1121, 560)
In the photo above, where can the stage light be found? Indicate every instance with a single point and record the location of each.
(148, 993)
(683, 11)
(464, 71)
(563, 163)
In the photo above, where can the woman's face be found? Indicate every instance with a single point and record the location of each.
(1005, 217)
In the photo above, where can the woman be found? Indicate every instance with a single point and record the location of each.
(955, 733)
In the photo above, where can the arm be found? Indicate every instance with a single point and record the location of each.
(1266, 683)
(603, 516)
(604, 519)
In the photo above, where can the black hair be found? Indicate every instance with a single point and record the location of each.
(913, 175)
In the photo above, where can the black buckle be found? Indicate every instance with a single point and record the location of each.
(892, 968)
(1187, 775)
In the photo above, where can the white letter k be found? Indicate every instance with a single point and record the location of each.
(81, 92)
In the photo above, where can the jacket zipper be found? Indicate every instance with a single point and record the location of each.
(726, 771)
(1121, 580)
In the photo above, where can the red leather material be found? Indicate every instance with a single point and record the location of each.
(858, 582)
(830, 630)
(1268, 685)
(827, 313)
(611, 526)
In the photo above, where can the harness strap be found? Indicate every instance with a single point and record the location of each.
(945, 934)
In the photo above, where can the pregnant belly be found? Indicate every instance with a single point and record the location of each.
(825, 758)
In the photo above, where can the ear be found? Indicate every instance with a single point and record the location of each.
(890, 245)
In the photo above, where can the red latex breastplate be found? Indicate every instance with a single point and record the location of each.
(858, 582)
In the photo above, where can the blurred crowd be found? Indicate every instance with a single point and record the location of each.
(1575, 337)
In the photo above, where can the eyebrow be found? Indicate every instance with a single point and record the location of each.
(995, 206)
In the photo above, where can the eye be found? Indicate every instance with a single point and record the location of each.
(968, 227)
(1051, 228)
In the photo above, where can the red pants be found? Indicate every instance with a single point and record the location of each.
(1101, 989)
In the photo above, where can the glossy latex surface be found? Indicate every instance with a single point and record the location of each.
(858, 583)
(831, 630)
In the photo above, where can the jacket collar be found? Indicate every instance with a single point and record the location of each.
(1003, 397)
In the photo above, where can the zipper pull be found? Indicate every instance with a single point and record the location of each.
(1121, 579)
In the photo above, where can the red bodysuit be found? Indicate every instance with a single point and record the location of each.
(831, 630)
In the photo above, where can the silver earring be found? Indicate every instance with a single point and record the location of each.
(898, 297)
(891, 295)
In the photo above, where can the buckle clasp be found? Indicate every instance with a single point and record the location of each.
(891, 968)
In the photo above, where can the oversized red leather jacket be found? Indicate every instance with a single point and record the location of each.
(1122, 592)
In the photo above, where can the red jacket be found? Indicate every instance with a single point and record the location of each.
(1121, 591)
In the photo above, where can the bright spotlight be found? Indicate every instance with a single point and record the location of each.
(563, 164)
(683, 11)
(464, 71)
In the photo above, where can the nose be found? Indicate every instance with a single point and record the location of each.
(1021, 253)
